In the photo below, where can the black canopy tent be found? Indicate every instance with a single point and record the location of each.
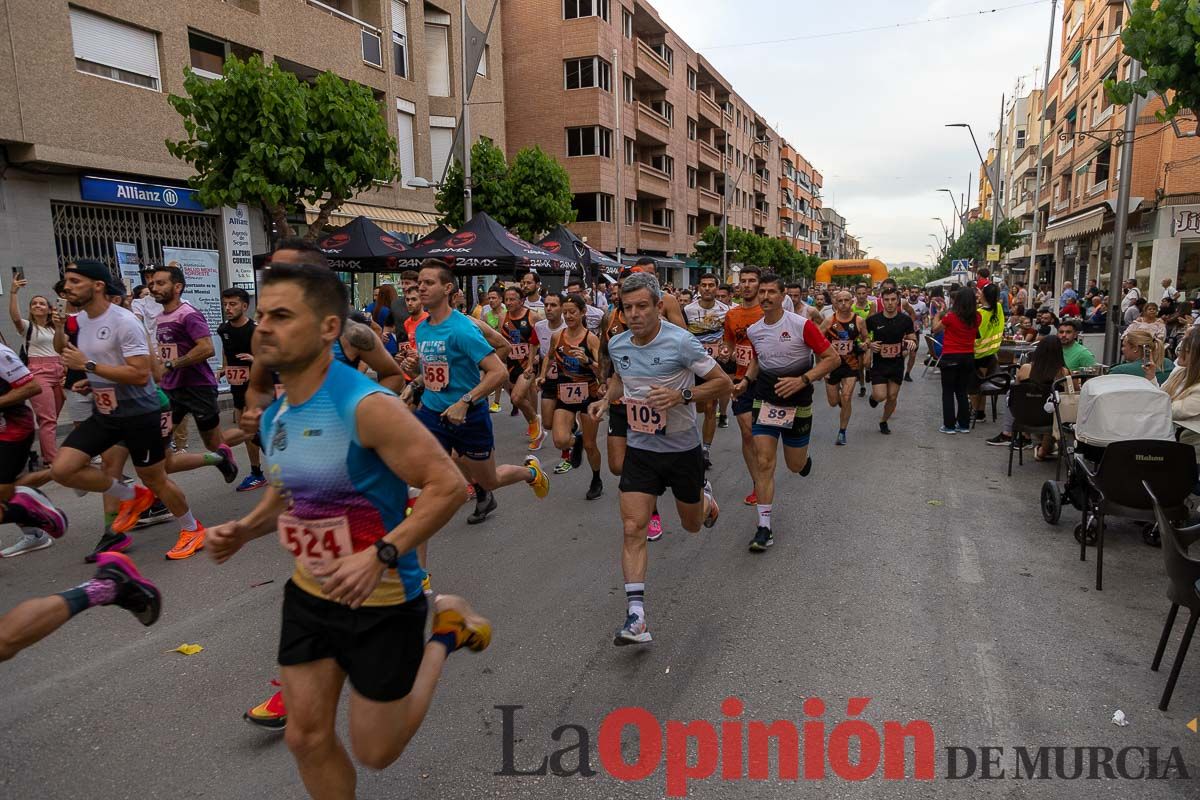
(361, 246)
(484, 247)
(565, 243)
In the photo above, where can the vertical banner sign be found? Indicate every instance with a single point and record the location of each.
(127, 263)
(239, 258)
(202, 271)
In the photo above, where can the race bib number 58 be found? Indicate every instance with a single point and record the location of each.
(315, 540)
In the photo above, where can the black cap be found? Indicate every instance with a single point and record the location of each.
(114, 288)
(92, 269)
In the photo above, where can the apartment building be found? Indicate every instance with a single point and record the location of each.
(657, 142)
(800, 201)
(832, 235)
(1081, 171)
(84, 85)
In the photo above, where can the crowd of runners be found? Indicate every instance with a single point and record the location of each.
(364, 442)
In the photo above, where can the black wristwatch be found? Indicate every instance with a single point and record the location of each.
(687, 396)
(386, 552)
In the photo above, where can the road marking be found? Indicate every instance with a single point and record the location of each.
(968, 562)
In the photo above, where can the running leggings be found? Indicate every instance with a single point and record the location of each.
(958, 369)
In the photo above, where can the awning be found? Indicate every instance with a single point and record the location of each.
(1080, 225)
(1076, 56)
(393, 219)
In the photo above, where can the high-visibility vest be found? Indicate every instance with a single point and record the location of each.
(991, 332)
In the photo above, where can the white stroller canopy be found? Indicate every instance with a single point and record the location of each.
(1113, 408)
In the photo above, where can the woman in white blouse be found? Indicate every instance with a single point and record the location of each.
(37, 338)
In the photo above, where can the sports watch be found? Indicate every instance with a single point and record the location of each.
(687, 396)
(90, 366)
(387, 553)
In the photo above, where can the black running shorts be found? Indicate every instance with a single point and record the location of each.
(199, 401)
(141, 435)
(887, 370)
(648, 472)
(618, 421)
(14, 457)
(378, 647)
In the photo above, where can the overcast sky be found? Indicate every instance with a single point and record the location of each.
(868, 109)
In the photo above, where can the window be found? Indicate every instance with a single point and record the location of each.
(1103, 165)
(630, 212)
(1020, 139)
(691, 225)
(482, 69)
(588, 73)
(441, 139)
(665, 109)
(626, 23)
(437, 56)
(664, 51)
(400, 38)
(627, 80)
(663, 217)
(405, 117)
(592, 207)
(691, 129)
(630, 152)
(372, 48)
(114, 50)
(590, 141)
(663, 163)
(574, 9)
(207, 55)
(691, 78)
(691, 177)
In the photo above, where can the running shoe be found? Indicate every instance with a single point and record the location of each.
(961, 429)
(189, 542)
(495, 408)
(999, 440)
(981, 416)
(157, 514)
(28, 543)
(596, 489)
(541, 481)
(714, 510)
(135, 594)
(130, 511)
(252, 482)
(751, 499)
(763, 538)
(427, 584)
(577, 451)
(804, 473)
(563, 467)
(109, 543)
(535, 441)
(44, 513)
(872, 402)
(455, 616)
(227, 466)
(482, 509)
(884, 429)
(945, 429)
(841, 438)
(908, 377)
(271, 714)
(634, 631)
(654, 530)
(722, 421)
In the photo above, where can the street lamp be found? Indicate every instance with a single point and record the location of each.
(940, 243)
(960, 215)
(725, 205)
(983, 162)
(949, 238)
(421, 183)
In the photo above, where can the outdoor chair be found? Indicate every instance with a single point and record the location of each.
(934, 349)
(1183, 571)
(1027, 402)
(994, 386)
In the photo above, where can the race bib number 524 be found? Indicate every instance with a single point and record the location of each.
(315, 540)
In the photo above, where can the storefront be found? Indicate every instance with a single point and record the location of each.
(1177, 247)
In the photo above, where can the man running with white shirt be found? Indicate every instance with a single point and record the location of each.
(655, 364)
(790, 355)
(706, 321)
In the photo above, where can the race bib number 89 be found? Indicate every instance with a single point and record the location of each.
(645, 418)
(777, 416)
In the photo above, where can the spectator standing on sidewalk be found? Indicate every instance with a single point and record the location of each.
(37, 351)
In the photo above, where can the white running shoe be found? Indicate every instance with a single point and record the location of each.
(28, 543)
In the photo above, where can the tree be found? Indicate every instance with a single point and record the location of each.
(973, 242)
(1164, 35)
(489, 186)
(540, 194)
(261, 136)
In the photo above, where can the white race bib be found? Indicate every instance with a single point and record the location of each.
(105, 400)
(237, 376)
(436, 375)
(572, 392)
(645, 418)
(315, 540)
(777, 416)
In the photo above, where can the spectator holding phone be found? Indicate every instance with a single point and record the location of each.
(37, 350)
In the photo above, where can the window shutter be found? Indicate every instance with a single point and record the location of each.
(114, 44)
(400, 17)
(437, 48)
(404, 141)
(440, 142)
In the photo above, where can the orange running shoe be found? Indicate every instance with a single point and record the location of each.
(130, 511)
(455, 616)
(270, 714)
(189, 542)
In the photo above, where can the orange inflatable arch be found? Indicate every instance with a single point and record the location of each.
(854, 266)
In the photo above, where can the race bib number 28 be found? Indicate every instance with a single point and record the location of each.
(105, 399)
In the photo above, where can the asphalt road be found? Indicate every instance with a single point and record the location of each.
(908, 569)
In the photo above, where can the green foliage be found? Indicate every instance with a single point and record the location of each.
(1164, 35)
(262, 136)
(489, 186)
(530, 197)
(767, 252)
(912, 276)
(973, 242)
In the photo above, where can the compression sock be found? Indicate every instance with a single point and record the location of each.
(211, 459)
(256, 470)
(109, 518)
(635, 598)
(120, 491)
(186, 521)
(764, 516)
(93, 593)
(447, 639)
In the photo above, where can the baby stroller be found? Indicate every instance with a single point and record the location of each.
(1112, 408)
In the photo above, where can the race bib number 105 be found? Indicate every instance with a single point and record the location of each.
(645, 418)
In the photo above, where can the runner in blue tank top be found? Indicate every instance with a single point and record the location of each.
(340, 453)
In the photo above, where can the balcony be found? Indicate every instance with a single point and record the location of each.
(759, 151)
(652, 65)
(760, 217)
(710, 201)
(710, 112)
(654, 237)
(653, 124)
(1062, 204)
(1065, 146)
(653, 182)
(370, 39)
(710, 157)
(1069, 86)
